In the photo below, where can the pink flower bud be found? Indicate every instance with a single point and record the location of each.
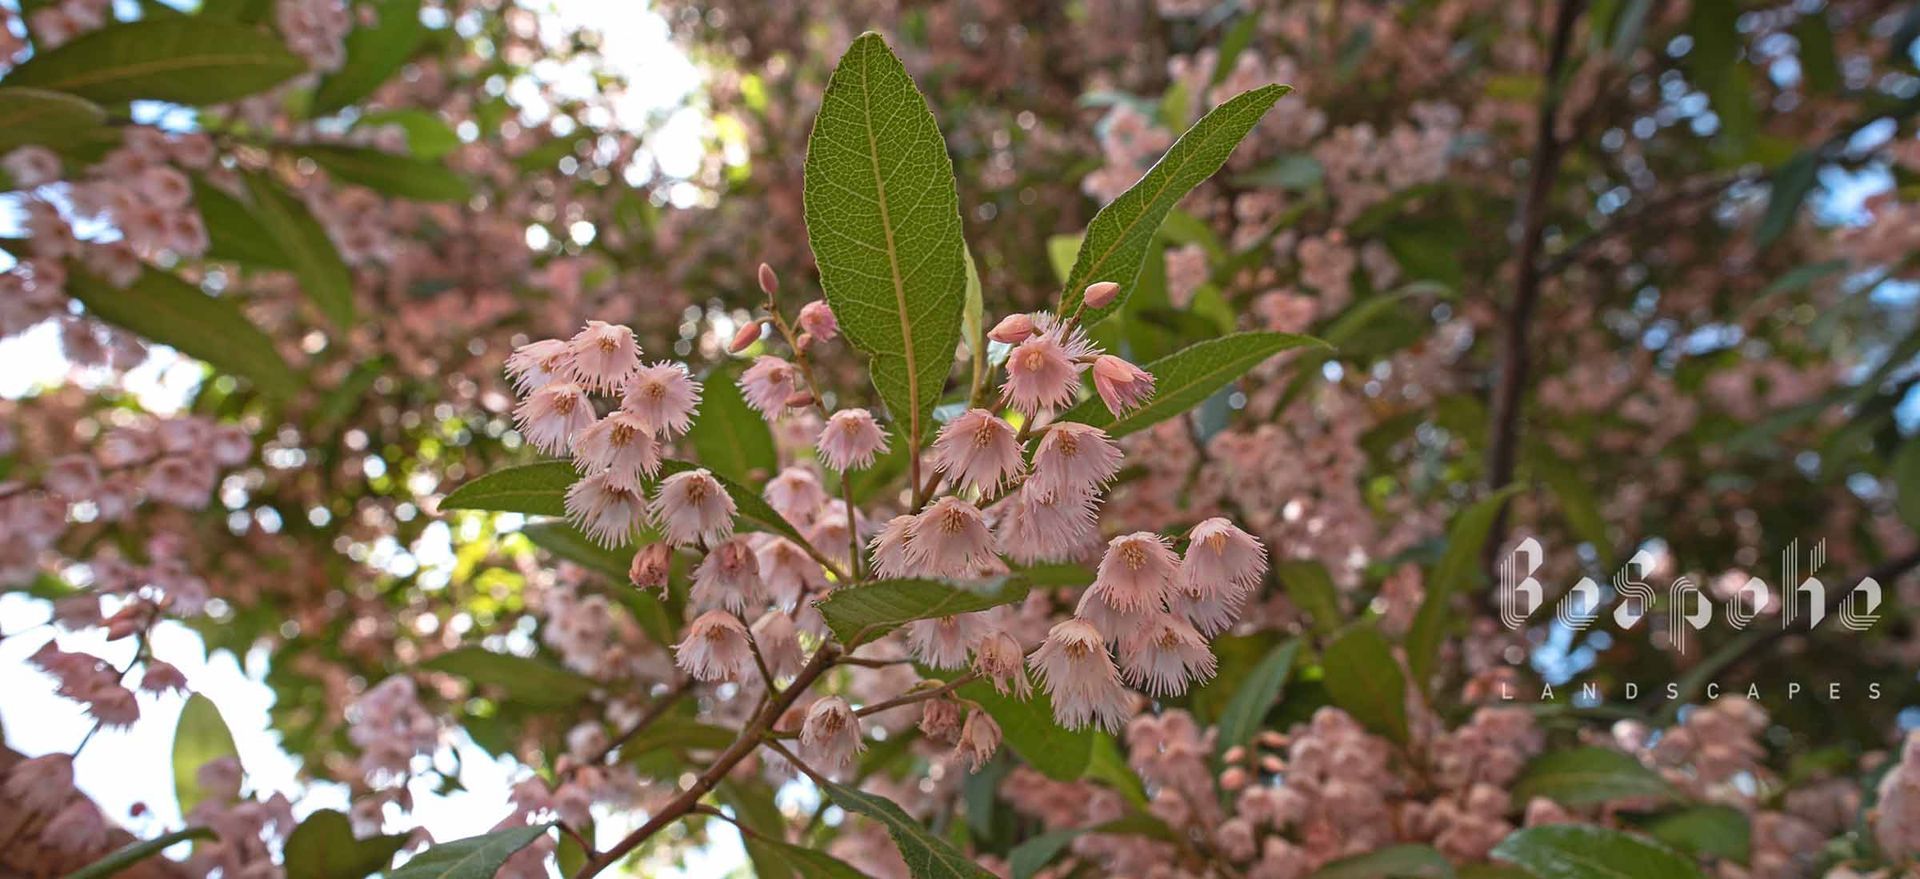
(799, 399)
(769, 282)
(1101, 294)
(749, 334)
(817, 319)
(1233, 779)
(1012, 329)
(650, 566)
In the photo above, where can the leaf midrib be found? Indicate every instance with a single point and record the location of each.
(893, 259)
(161, 65)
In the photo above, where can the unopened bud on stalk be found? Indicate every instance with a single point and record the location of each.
(799, 399)
(124, 623)
(650, 566)
(747, 335)
(769, 282)
(1012, 329)
(803, 341)
(1101, 294)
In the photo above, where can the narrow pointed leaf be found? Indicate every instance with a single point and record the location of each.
(730, 438)
(323, 276)
(804, 863)
(389, 174)
(324, 847)
(476, 857)
(183, 60)
(135, 852)
(541, 490)
(234, 234)
(883, 220)
(373, 55)
(1588, 777)
(1186, 377)
(1454, 573)
(1118, 239)
(927, 856)
(30, 115)
(1392, 862)
(524, 679)
(1365, 681)
(869, 611)
(161, 307)
(1258, 691)
(1580, 851)
(200, 736)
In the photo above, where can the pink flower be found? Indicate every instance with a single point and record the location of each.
(1037, 526)
(830, 736)
(768, 383)
(997, 658)
(1041, 376)
(977, 449)
(182, 481)
(795, 494)
(1210, 611)
(619, 444)
(1164, 654)
(1074, 457)
(74, 477)
(664, 397)
(779, 643)
(889, 548)
(1098, 609)
(651, 566)
(1122, 385)
(538, 365)
(112, 705)
(817, 320)
(979, 738)
(604, 355)
(606, 508)
(832, 531)
(161, 678)
(942, 642)
(692, 507)
(41, 784)
(1080, 676)
(940, 720)
(1136, 571)
(728, 578)
(1221, 553)
(715, 648)
(31, 166)
(78, 829)
(850, 440)
(788, 572)
(950, 539)
(552, 415)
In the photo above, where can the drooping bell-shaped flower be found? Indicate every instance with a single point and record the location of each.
(850, 440)
(692, 507)
(715, 648)
(1080, 677)
(603, 355)
(663, 396)
(977, 449)
(830, 735)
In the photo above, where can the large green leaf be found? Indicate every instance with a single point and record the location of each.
(1454, 572)
(927, 856)
(1581, 851)
(523, 679)
(728, 436)
(476, 857)
(1589, 777)
(234, 234)
(30, 115)
(541, 490)
(1713, 831)
(1027, 726)
(200, 737)
(135, 852)
(389, 174)
(1906, 483)
(1118, 239)
(858, 614)
(1247, 710)
(183, 60)
(162, 308)
(1365, 681)
(323, 847)
(1788, 189)
(1393, 862)
(1186, 377)
(768, 854)
(323, 276)
(883, 219)
(373, 55)
(1311, 589)
(428, 136)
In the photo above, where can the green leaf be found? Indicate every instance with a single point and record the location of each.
(428, 136)
(1108, 765)
(1061, 250)
(1116, 245)
(1589, 777)
(927, 856)
(133, 853)
(1027, 726)
(1365, 681)
(523, 679)
(1791, 183)
(187, 60)
(1712, 831)
(1247, 710)
(323, 847)
(1455, 571)
(373, 55)
(1393, 862)
(476, 857)
(804, 863)
(238, 10)
(30, 115)
(1581, 851)
(323, 276)
(1714, 62)
(1906, 483)
(858, 614)
(389, 174)
(1186, 377)
(883, 220)
(1029, 857)
(729, 437)
(162, 308)
(534, 489)
(973, 329)
(200, 737)
(234, 234)
(1311, 589)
